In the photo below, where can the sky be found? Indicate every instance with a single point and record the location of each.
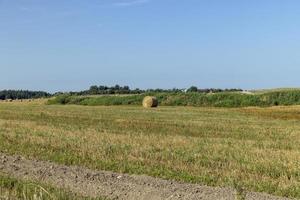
(64, 45)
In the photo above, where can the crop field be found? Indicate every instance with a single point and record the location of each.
(253, 149)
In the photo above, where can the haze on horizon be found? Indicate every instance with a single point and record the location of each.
(62, 45)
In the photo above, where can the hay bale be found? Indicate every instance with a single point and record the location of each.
(150, 102)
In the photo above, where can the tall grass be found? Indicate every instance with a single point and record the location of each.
(226, 99)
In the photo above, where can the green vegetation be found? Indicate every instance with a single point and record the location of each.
(223, 99)
(22, 94)
(97, 100)
(117, 89)
(11, 188)
(254, 149)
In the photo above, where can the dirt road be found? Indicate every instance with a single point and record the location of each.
(113, 185)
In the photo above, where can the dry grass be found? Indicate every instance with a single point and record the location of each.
(251, 148)
(13, 189)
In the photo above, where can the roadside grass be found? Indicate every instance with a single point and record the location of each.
(246, 148)
(12, 188)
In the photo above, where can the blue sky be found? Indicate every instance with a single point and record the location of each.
(62, 45)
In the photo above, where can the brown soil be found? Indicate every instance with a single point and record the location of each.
(111, 185)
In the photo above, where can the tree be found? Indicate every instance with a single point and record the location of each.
(93, 89)
(193, 89)
(117, 87)
(126, 88)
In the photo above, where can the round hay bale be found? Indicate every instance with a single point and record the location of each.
(150, 102)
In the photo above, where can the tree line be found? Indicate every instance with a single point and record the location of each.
(117, 89)
(104, 90)
(212, 90)
(22, 94)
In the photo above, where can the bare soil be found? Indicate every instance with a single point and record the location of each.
(111, 185)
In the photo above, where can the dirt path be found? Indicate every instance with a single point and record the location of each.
(115, 186)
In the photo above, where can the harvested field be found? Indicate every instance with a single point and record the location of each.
(249, 149)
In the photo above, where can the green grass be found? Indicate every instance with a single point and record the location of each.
(225, 99)
(261, 91)
(11, 188)
(255, 149)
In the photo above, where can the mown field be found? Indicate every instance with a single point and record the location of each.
(255, 149)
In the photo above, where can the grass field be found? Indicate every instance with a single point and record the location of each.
(255, 149)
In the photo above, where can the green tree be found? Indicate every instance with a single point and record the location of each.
(93, 89)
(193, 89)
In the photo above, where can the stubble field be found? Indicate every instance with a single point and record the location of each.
(253, 149)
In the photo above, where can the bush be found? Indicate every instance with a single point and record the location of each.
(61, 99)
